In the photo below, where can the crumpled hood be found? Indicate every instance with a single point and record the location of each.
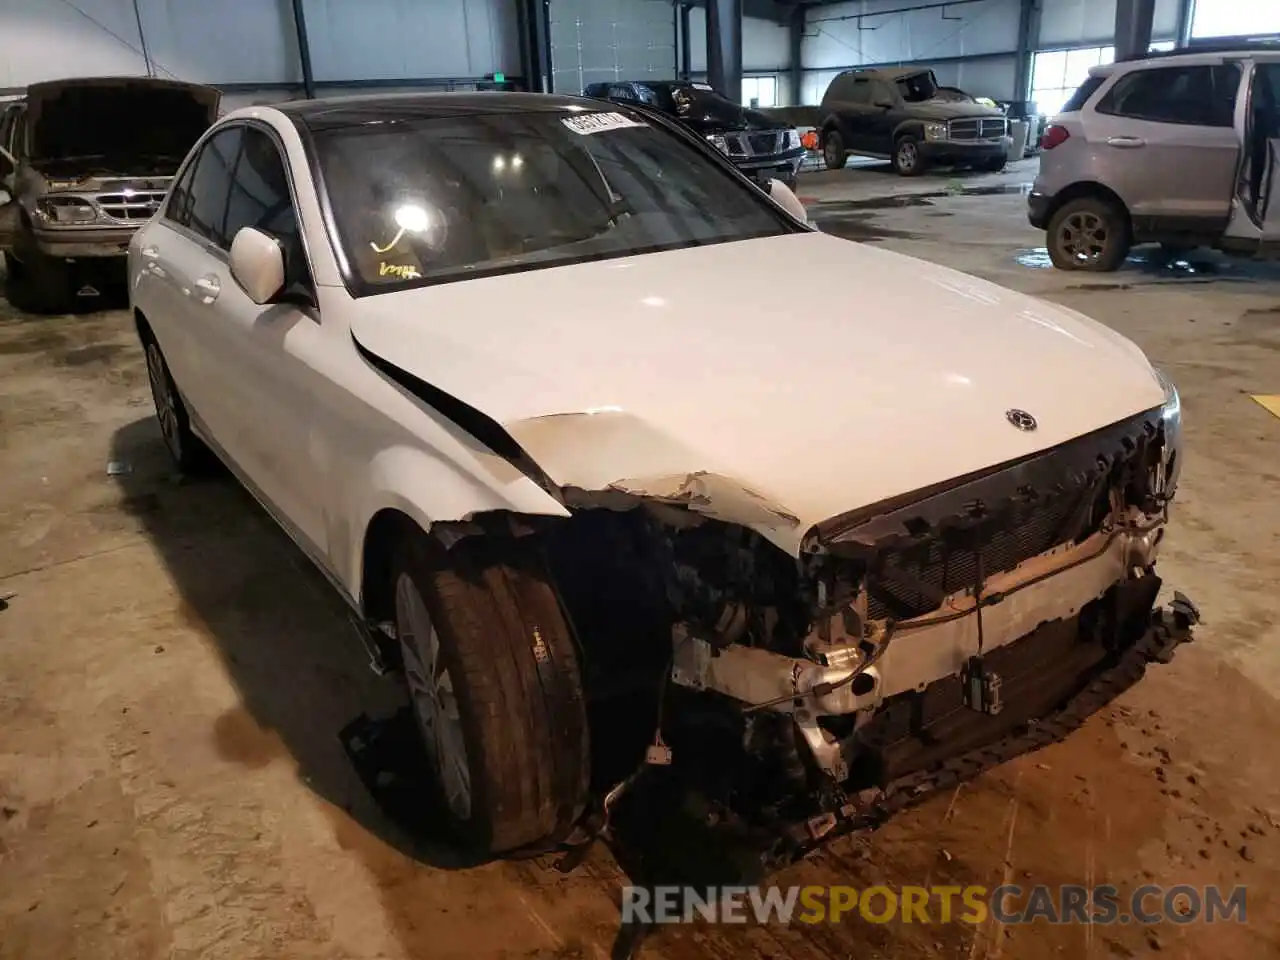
(819, 374)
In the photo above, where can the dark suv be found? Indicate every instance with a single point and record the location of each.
(904, 115)
(761, 147)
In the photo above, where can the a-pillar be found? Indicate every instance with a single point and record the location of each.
(724, 47)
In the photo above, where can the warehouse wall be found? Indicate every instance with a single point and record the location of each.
(598, 40)
(854, 34)
(1092, 23)
(253, 42)
(766, 50)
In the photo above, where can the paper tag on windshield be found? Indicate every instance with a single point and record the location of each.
(584, 123)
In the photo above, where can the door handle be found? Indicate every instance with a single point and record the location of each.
(1126, 142)
(208, 288)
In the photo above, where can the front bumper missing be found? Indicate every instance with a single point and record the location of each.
(1167, 630)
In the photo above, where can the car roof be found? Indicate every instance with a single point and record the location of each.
(888, 73)
(333, 112)
(1189, 58)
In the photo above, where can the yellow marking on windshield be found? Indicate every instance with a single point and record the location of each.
(402, 271)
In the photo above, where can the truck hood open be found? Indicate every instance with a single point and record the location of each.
(798, 376)
(117, 123)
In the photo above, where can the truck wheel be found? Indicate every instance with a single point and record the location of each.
(1088, 233)
(37, 282)
(994, 165)
(907, 160)
(492, 673)
(187, 450)
(833, 152)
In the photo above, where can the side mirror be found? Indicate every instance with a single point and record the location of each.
(783, 196)
(257, 264)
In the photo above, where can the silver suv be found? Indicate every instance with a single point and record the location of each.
(1179, 149)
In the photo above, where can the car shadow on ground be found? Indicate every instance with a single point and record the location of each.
(285, 640)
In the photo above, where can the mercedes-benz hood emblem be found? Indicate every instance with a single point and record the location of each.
(1021, 419)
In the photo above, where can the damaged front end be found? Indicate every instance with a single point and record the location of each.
(910, 645)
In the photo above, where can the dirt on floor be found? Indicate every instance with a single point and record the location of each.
(175, 682)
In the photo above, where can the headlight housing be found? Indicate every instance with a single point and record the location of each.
(718, 141)
(1171, 418)
(65, 210)
(935, 131)
(793, 139)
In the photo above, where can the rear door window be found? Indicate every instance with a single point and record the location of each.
(1195, 95)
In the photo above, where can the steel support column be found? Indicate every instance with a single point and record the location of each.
(1133, 28)
(534, 18)
(1186, 15)
(724, 47)
(304, 49)
(686, 43)
(797, 57)
(1028, 38)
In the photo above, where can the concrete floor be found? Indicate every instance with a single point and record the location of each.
(173, 678)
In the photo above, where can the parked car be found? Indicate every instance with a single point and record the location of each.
(1150, 151)
(903, 114)
(502, 367)
(761, 146)
(83, 163)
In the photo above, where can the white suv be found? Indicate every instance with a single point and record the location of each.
(1182, 150)
(522, 375)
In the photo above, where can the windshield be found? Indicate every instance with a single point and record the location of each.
(436, 200)
(918, 87)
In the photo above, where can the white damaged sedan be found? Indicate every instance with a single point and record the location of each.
(525, 376)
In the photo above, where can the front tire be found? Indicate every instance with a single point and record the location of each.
(1089, 234)
(492, 673)
(834, 155)
(907, 159)
(994, 165)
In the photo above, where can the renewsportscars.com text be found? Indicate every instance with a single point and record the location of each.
(1010, 904)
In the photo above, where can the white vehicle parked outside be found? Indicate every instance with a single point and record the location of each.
(525, 376)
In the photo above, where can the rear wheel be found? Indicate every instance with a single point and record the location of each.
(492, 674)
(1089, 233)
(187, 450)
(907, 159)
(833, 151)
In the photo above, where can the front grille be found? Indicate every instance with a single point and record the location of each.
(762, 144)
(950, 563)
(985, 128)
(131, 206)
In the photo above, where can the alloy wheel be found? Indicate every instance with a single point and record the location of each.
(435, 704)
(908, 155)
(1084, 237)
(166, 403)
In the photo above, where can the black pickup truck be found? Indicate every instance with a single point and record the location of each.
(904, 115)
(761, 147)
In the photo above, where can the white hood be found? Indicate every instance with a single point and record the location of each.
(823, 375)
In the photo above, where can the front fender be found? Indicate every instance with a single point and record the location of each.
(429, 489)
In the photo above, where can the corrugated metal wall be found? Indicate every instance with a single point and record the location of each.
(598, 40)
(251, 42)
(1092, 23)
